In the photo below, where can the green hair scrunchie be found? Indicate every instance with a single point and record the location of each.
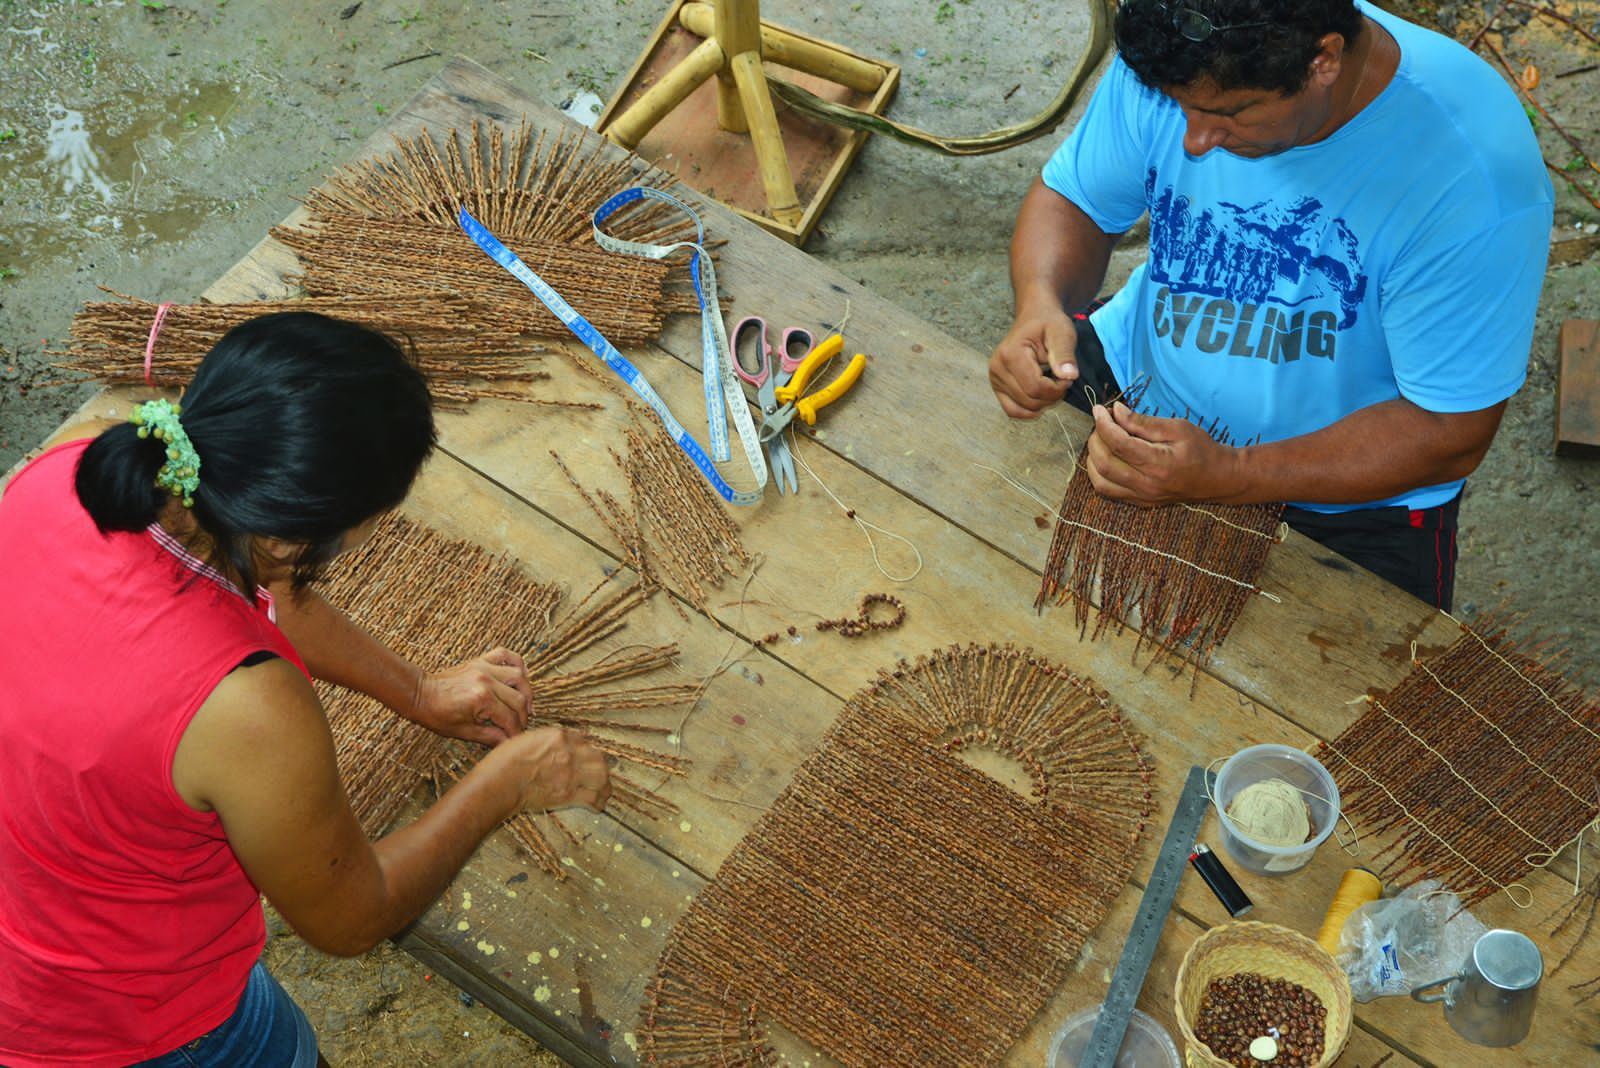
(181, 473)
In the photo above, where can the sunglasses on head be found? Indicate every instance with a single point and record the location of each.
(1195, 25)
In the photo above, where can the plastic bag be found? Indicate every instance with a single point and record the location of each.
(1395, 944)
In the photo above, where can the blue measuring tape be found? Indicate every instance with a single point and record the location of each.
(717, 364)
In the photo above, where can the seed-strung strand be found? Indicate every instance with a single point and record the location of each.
(1185, 573)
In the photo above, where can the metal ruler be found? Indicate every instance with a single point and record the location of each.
(1154, 907)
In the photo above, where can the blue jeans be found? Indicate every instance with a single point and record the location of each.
(267, 1030)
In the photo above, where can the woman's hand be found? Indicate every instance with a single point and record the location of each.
(554, 767)
(486, 700)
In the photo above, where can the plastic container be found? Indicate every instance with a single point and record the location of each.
(1295, 767)
(1146, 1044)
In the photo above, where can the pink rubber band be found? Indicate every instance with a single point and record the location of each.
(150, 345)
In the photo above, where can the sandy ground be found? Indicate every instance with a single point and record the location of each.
(146, 146)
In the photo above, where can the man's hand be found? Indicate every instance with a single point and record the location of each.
(484, 700)
(1017, 370)
(1146, 460)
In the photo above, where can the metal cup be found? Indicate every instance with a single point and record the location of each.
(1491, 1001)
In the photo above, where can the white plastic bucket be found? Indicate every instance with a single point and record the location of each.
(1259, 763)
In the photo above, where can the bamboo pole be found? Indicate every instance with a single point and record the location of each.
(673, 89)
(794, 51)
(736, 25)
(766, 139)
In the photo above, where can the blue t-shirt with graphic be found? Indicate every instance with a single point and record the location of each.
(1400, 257)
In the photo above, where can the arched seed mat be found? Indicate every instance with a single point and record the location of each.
(896, 905)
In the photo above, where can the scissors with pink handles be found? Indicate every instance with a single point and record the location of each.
(753, 361)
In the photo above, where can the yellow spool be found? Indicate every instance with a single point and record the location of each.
(1356, 888)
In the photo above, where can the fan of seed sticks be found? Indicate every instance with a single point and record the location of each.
(1184, 572)
(439, 602)
(1481, 762)
(463, 357)
(388, 225)
(676, 524)
(897, 906)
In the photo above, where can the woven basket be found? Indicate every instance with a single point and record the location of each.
(1271, 951)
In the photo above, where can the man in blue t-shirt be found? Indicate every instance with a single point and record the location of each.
(1349, 219)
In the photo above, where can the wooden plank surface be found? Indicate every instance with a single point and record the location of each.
(1578, 389)
(568, 960)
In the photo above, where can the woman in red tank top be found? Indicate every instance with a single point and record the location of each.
(167, 759)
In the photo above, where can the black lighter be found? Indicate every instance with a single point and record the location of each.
(1216, 876)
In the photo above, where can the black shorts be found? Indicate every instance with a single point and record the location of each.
(1414, 549)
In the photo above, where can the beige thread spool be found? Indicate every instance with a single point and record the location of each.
(1358, 887)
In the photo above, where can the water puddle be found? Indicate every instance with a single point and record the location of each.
(71, 174)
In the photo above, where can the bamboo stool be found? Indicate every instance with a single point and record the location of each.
(735, 45)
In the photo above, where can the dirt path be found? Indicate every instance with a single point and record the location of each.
(146, 146)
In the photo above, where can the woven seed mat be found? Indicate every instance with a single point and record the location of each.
(895, 905)
(380, 245)
(1479, 765)
(388, 225)
(1181, 573)
(441, 602)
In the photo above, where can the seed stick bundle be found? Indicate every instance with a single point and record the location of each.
(463, 357)
(544, 189)
(673, 523)
(1184, 572)
(809, 923)
(1478, 765)
(441, 602)
(625, 297)
(390, 223)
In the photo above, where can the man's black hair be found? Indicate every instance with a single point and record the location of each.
(1275, 55)
(306, 428)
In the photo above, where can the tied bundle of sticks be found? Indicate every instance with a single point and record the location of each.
(675, 524)
(440, 602)
(464, 358)
(1183, 571)
(808, 923)
(1479, 764)
(388, 225)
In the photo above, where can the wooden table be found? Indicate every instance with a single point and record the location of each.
(910, 451)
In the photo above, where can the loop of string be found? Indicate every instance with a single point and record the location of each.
(150, 343)
(866, 527)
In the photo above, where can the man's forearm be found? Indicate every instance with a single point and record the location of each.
(1371, 454)
(1058, 254)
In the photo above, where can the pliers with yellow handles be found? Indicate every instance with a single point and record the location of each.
(790, 396)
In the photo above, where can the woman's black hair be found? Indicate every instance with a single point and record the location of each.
(306, 428)
(1255, 44)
